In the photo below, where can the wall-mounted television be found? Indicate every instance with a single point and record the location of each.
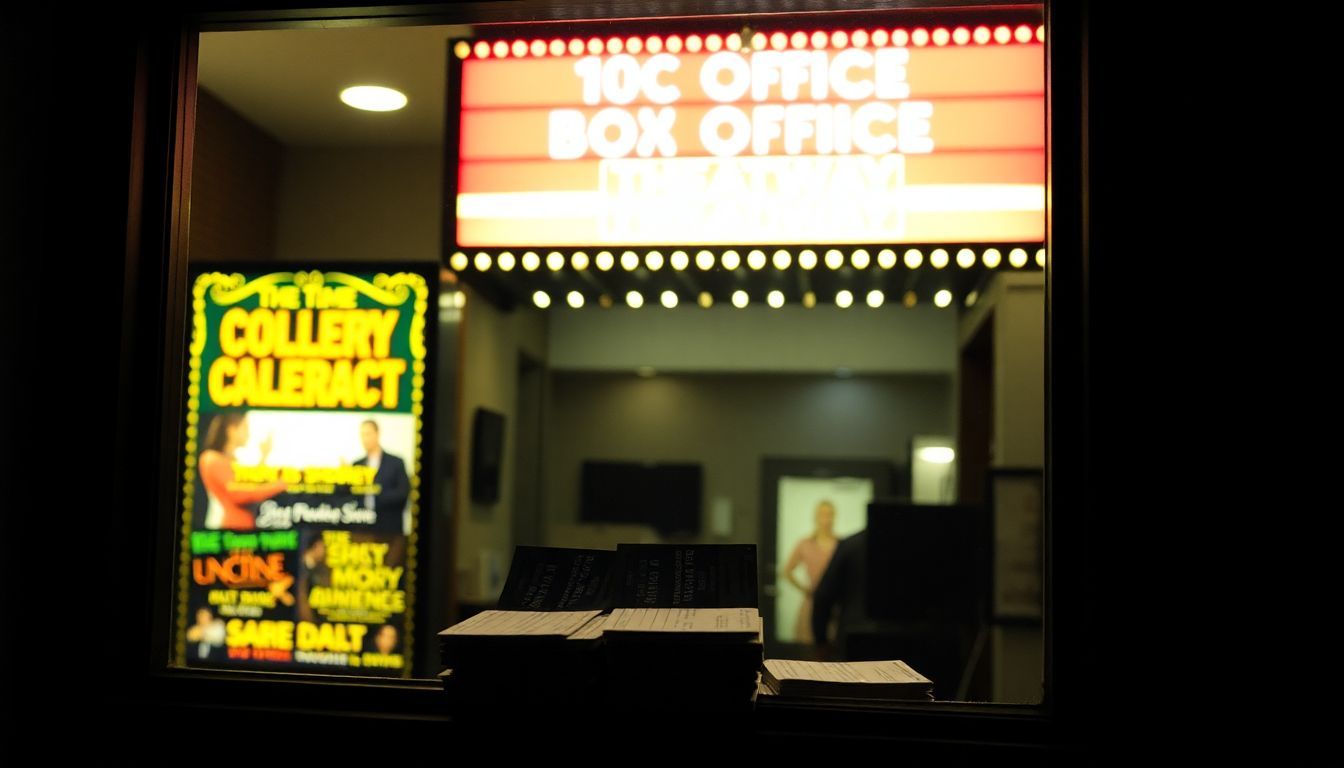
(666, 497)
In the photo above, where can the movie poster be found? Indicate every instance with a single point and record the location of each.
(304, 446)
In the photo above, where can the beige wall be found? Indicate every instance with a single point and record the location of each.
(490, 345)
(729, 423)
(890, 339)
(1019, 372)
(361, 204)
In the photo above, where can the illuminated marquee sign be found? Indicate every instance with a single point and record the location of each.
(875, 136)
(303, 452)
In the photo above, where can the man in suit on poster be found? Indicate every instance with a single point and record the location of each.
(389, 475)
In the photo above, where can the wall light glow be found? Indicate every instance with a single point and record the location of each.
(937, 454)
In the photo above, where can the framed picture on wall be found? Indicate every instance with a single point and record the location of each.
(1017, 505)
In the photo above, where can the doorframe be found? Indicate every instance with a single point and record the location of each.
(889, 482)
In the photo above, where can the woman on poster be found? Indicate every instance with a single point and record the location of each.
(813, 552)
(225, 500)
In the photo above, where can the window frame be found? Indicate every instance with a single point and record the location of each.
(162, 102)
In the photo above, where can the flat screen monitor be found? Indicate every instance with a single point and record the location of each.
(666, 497)
(927, 563)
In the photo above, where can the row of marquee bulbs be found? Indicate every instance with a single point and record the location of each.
(759, 41)
(756, 259)
(740, 299)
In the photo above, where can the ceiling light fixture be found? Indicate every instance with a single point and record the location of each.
(373, 98)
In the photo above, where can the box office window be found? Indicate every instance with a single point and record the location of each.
(776, 280)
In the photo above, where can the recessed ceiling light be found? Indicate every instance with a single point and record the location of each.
(373, 98)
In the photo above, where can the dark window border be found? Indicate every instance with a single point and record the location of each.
(161, 100)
